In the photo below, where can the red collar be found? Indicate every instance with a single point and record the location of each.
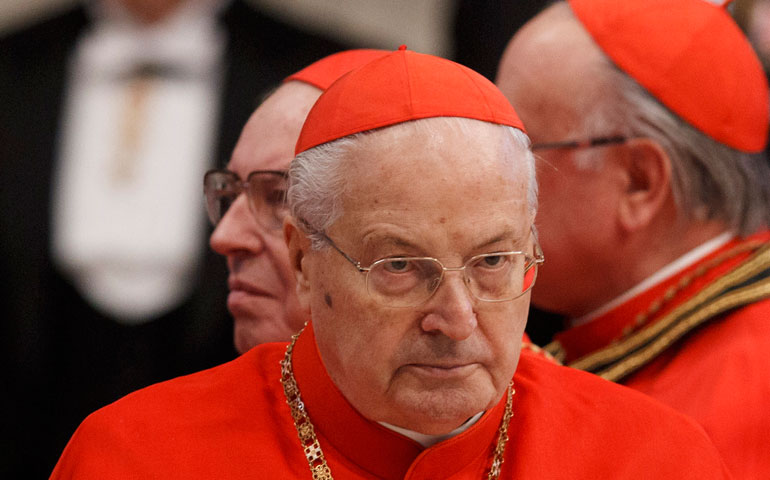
(641, 310)
(374, 448)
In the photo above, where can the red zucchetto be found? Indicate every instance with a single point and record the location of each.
(399, 87)
(692, 57)
(325, 71)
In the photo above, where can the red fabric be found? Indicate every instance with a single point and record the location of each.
(692, 57)
(719, 375)
(399, 87)
(324, 72)
(233, 422)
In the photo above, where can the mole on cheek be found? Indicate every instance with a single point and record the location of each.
(442, 220)
(328, 299)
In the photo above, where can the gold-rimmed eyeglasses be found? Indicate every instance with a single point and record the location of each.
(410, 281)
(265, 189)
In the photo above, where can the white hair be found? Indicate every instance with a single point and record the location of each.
(317, 180)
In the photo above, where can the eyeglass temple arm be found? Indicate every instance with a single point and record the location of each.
(539, 256)
(594, 142)
(347, 257)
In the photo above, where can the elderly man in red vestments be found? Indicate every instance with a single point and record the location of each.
(412, 198)
(648, 118)
(262, 299)
(244, 202)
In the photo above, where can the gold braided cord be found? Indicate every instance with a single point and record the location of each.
(633, 362)
(556, 350)
(745, 271)
(307, 437)
(540, 351)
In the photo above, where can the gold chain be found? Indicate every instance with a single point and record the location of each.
(502, 437)
(305, 430)
(309, 441)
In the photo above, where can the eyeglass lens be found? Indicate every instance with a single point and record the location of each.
(265, 191)
(267, 195)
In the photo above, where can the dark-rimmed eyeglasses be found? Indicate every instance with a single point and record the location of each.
(571, 144)
(265, 189)
(410, 281)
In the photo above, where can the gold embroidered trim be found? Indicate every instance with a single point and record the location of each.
(556, 350)
(307, 437)
(641, 357)
(748, 269)
(540, 351)
(612, 352)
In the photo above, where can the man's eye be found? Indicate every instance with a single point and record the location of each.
(223, 186)
(397, 266)
(493, 260)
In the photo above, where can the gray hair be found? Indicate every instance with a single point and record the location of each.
(317, 180)
(710, 181)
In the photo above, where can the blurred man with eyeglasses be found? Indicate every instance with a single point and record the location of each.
(648, 119)
(248, 229)
(411, 200)
(245, 203)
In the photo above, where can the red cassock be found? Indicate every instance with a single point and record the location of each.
(698, 342)
(233, 422)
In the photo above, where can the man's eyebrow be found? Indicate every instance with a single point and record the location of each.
(396, 241)
(505, 235)
(390, 240)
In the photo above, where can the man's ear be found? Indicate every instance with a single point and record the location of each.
(299, 245)
(648, 183)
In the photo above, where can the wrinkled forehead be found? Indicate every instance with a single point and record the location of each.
(438, 170)
(439, 144)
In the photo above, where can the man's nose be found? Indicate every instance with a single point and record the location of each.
(237, 230)
(450, 309)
